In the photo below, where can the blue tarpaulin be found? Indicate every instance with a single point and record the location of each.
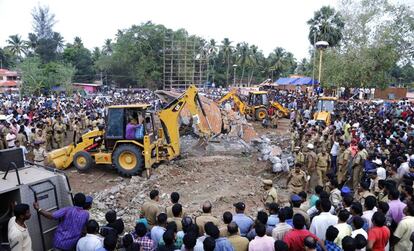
(286, 81)
(297, 81)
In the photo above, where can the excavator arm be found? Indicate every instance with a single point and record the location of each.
(241, 106)
(169, 117)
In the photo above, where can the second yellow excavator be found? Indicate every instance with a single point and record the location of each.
(258, 105)
(110, 145)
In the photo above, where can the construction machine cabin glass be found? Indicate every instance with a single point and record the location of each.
(258, 99)
(326, 105)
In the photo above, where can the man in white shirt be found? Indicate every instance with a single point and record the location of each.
(10, 138)
(91, 241)
(325, 219)
(18, 235)
(404, 167)
(370, 209)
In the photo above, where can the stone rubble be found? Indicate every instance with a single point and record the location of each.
(271, 150)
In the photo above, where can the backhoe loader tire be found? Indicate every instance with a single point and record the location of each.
(260, 114)
(128, 160)
(83, 161)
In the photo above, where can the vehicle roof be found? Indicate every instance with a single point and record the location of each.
(131, 106)
(328, 98)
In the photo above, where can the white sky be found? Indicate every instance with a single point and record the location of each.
(266, 23)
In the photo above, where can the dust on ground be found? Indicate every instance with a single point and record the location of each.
(222, 178)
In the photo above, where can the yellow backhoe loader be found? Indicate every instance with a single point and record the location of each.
(109, 145)
(324, 107)
(258, 105)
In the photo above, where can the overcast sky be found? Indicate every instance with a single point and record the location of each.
(266, 23)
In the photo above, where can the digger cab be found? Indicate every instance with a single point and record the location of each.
(118, 118)
(324, 107)
(257, 103)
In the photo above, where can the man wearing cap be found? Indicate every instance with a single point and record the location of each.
(357, 166)
(39, 153)
(296, 181)
(299, 156)
(243, 221)
(322, 163)
(310, 164)
(343, 162)
(270, 192)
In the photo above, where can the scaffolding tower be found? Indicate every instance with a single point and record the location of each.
(185, 61)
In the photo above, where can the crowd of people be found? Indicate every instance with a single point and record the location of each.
(351, 188)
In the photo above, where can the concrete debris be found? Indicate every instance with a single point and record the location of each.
(270, 150)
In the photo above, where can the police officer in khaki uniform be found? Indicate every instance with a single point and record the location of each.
(150, 208)
(49, 136)
(59, 130)
(76, 131)
(270, 192)
(296, 181)
(205, 217)
(39, 153)
(299, 156)
(310, 165)
(357, 166)
(322, 163)
(343, 161)
(294, 136)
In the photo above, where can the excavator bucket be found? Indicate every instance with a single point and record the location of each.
(60, 158)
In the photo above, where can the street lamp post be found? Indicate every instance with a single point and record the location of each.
(321, 46)
(234, 74)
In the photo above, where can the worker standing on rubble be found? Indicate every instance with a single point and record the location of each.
(294, 136)
(296, 181)
(270, 192)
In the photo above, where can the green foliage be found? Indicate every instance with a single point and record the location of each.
(16, 45)
(377, 38)
(80, 57)
(326, 25)
(38, 77)
(7, 59)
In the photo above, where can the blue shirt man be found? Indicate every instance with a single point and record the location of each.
(243, 222)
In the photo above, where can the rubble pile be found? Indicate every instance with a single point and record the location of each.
(221, 179)
(237, 126)
(271, 150)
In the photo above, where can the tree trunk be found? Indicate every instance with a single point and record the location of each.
(251, 77)
(228, 68)
(242, 76)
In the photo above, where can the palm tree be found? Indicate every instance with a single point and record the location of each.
(277, 61)
(59, 41)
(243, 57)
(211, 56)
(31, 44)
(16, 45)
(326, 25)
(77, 42)
(254, 60)
(107, 48)
(227, 52)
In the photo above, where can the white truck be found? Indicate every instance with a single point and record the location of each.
(24, 182)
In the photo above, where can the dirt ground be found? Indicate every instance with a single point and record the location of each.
(223, 179)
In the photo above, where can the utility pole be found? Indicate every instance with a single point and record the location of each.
(101, 79)
(314, 56)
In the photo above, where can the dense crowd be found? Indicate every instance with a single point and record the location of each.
(351, 188)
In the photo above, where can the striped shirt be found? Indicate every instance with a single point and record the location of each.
(72, 221)
(279, 232)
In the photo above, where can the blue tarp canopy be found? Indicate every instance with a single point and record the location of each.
(297, 81)
(286, 81)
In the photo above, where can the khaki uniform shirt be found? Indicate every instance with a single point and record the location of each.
(297, 179)
(177, 221)
(299, 158)
(150, 211)
(239, 243)
(168, 211)
(322, 160)
(311, 160)
(297, 210)
(59, 128)
(203, 219)
(39, 154)
(271, 196)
